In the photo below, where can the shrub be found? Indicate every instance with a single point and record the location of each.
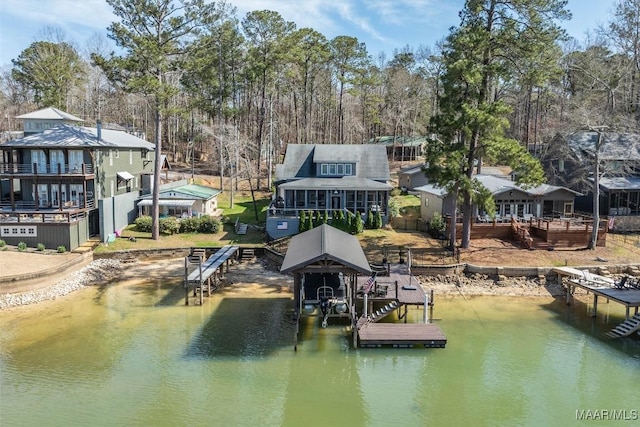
(325, 217)
(377, 222)
(22, 246)
(394, 209)
(310, 221)
(209, 224)
(302, 226)
(370, 223)
(40, 247)
(169, 225)
(357, 226)
(61, 249)
(2, 243)
(143, 224)
(190, 225)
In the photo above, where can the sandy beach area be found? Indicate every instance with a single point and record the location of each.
(258, 273)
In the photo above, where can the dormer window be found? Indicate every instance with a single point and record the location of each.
(336, 169)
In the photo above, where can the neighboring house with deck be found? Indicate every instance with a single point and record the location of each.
(65, 184)
(313, 177)
(569, 161)
(510, 198)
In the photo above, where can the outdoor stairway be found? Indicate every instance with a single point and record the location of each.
(247, 254)
(626, 328)
(379, 314)
(241, 228)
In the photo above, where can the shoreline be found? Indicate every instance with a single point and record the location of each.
(104, 271)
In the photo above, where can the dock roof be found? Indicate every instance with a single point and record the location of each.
(325, 244)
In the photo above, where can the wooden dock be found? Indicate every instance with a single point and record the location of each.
(396, 291)
(599, 286)
(206, 272)
(401, 335)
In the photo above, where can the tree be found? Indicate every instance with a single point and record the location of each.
(155, 36)
(349, 58)
(480, 55)
(50, 70)
(268, 34)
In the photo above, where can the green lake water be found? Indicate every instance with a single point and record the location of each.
(135, 355)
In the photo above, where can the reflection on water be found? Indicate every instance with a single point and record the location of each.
(133, 354)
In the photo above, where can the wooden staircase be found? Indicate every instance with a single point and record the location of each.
(240, 227)
(247, 254)
(378, 314)
(626, 328)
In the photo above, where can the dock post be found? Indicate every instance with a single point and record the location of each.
(186, 283)
(595, 305)
(426, 307)
(431, 306)
(366, 304)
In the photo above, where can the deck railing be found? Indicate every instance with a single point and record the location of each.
(46, 169)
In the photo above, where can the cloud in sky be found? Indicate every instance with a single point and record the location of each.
(384, 25)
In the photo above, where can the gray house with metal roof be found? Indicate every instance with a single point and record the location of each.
(314, 177)
(570, 162)
(65, 184)
(510, 199)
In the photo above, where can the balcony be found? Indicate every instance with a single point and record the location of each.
(17, 170)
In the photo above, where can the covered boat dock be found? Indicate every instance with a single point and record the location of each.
(331, 274)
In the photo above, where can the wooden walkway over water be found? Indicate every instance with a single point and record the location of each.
(392, 291)
(206, 272)
(599, 286)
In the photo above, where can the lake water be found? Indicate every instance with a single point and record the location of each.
(133, 355)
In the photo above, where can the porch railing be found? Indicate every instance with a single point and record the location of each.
(48, 169)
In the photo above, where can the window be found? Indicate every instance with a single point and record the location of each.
(340, 169)
(426, 202)
(117, 154)
(75, 161)
(56, 160)
(332, 169)
(31, 231)
(38, 157)
(77, 194)
(324, 169)
(347, 169)
(43, 195)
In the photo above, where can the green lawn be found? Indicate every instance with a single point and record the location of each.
(409, 205)
(243, 208)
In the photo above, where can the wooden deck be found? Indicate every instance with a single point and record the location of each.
(401, 335)
(397, 289)
(599, 286)
(398, 285)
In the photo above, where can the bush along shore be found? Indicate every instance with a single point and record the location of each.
(97, 272)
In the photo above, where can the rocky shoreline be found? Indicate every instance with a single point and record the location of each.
(97, 272)
(480, 284)
(106, 270)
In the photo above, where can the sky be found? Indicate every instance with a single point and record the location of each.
(383, 25)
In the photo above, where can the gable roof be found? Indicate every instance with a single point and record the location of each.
(300, 159)
(497, 185)
(325, 243)
(615, 146)
(81, 137)
(50, 113)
